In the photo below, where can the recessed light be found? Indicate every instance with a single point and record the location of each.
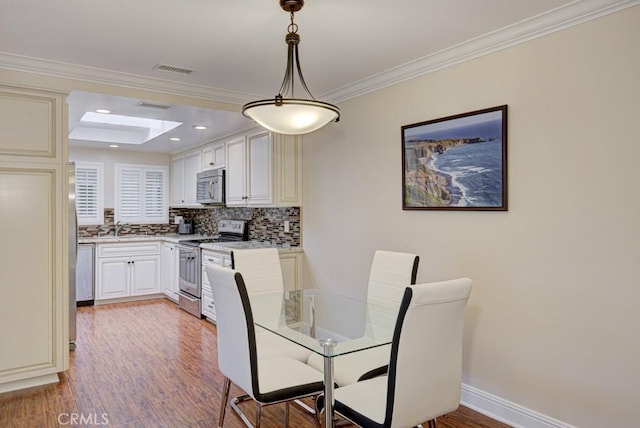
(103, 111)
(199, 127)
(115, 146)
(174, 139)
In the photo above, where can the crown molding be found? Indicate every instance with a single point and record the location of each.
(563, 17)
(566, 16)
(49, 68)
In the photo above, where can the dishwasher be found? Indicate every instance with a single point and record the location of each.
(85, 275)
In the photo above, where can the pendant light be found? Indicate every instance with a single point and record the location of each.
(286, 114)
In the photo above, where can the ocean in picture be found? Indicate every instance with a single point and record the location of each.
(455, 163)
(475, 171)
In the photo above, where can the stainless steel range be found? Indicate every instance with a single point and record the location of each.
(190, 282)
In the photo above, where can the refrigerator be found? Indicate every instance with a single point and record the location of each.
(73, 253)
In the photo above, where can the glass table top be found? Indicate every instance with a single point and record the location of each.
(310, 316)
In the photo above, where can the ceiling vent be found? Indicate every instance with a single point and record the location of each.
(172, 69)
(151, 105)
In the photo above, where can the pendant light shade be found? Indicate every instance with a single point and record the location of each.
(284, 113)
(293, 116)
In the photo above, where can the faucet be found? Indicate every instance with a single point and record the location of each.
(118, 227)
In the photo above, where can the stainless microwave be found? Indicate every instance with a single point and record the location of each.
(210, 187)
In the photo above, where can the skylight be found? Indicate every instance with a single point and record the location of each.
(113, 128)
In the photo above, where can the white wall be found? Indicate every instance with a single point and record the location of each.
(112, 157)
(552, 320)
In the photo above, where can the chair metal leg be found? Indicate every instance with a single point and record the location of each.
(225, 397)
(234, 405)
(286, 414)
(258, 411)
(432, 423)
(311, 411)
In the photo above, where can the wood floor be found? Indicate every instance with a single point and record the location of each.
(149, 364)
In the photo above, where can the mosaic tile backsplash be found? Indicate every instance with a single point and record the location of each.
(265, 224)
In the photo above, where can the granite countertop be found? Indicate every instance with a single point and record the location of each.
(217, 246)
(241, 245)
(173, 237)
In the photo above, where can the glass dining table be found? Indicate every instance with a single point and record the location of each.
(327, 324)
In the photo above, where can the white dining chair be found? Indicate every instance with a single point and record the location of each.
(391, 272)
(267, 380)
(425, 366)
(262, 273)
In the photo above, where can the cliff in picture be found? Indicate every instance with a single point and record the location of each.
(456, 162)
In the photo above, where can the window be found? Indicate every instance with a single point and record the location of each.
(141, 194)
(89, 193)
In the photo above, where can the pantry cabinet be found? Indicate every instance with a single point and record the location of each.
(127, 270)
(34, 260)
(184, 169)
(264, 169)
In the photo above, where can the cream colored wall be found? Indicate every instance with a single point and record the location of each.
(112, 157)
(552, 320)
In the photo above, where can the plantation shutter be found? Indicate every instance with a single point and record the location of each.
(89, 205)
(154, 195)
(130, 195)
(141, 194)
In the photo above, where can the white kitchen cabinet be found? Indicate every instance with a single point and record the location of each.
(184, 169)
(112, 277)
(127, 270)
(145, 275)
(211, 258)
(236, 177)
(213, 156)
(291, 270)
(264, 169)
(169, 265)
(34, 310)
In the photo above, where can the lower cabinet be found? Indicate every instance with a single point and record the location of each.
(211, 258)
(169, 267)
(291, 276)
(291, 271)
(127, 270)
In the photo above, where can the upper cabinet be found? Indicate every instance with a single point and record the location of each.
(213, 156)
(263, 169)
(184, 169)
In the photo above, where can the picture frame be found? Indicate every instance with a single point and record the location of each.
(456, 162)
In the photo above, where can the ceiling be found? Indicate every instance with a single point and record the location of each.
(237, 51)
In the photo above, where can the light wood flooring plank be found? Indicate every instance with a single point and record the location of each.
(150, 364)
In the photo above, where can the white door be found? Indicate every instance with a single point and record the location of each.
(145, 272)
(259, 169)
(192, 165)
(167, 268)
(177, 181)
(236, 172)
(113, 278)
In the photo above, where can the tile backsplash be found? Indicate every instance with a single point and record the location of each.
(265, 224)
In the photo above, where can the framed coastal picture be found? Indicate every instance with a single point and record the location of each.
(457, 162)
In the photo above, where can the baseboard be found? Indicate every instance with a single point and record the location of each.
(505, 411)
(29, 383)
